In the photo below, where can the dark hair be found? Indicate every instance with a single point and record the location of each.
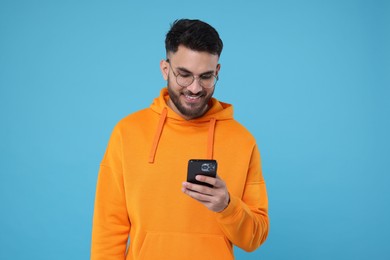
(195, 35)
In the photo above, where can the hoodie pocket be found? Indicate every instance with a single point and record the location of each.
(184, 246)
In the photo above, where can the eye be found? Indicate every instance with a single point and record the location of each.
(207, 76)
(186, 76)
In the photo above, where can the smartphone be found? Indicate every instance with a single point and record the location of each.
(201, 167)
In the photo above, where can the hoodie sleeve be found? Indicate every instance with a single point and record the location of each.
(245, 221)
(111, 223)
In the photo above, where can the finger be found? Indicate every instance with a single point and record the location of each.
(198, 188)
(216, 182)
(206, 179)
(204, 198)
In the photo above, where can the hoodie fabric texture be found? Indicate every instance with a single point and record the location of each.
(139, 187)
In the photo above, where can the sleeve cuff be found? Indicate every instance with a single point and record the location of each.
(230, 210)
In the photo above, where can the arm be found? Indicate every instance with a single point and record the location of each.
(243, 220)
(111, 224)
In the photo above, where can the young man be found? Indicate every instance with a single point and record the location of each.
(141, 189)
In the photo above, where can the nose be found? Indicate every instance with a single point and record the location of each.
(195, 86)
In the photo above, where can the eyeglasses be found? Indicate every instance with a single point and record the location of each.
(207, 80)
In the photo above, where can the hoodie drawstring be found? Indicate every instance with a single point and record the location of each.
(158, 134)
(210, 139)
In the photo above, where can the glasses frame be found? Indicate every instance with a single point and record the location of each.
(216, 78)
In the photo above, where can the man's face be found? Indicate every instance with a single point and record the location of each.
(192, 101)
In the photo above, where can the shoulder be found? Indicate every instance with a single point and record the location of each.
(135, 122)
(234, 129)
(138, 117)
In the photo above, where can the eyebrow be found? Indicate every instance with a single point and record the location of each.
(184, 70)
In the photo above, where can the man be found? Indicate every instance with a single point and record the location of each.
(141, 189)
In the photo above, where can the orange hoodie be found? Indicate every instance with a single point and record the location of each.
(139, 187)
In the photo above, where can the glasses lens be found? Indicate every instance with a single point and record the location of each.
(184, 80)
(208, 81)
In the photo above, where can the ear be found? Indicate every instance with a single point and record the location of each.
(218, 68)
(164, 67)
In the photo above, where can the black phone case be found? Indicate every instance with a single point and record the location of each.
(201, 167)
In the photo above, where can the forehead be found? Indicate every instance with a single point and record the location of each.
(194, 61)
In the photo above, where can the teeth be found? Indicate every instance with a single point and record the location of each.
(192, 97)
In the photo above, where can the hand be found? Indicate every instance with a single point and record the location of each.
(215, 199)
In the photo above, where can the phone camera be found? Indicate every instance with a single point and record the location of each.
(207, 167)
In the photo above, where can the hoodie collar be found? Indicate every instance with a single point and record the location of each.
(218, 111)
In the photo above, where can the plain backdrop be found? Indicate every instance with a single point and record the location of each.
(309, 79)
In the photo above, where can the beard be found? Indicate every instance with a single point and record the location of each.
(187, 109)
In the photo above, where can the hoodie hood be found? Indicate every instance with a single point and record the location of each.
(218, 111)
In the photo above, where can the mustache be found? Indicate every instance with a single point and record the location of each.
(199, 94)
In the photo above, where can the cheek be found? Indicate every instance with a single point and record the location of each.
(210, 92)
(173, 85)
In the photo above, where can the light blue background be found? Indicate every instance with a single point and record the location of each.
(310, 79)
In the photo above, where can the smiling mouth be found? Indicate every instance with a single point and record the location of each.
(192, 98)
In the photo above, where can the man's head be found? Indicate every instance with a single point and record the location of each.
(191, 68)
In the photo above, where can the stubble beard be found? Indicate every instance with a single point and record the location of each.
(194, 110)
